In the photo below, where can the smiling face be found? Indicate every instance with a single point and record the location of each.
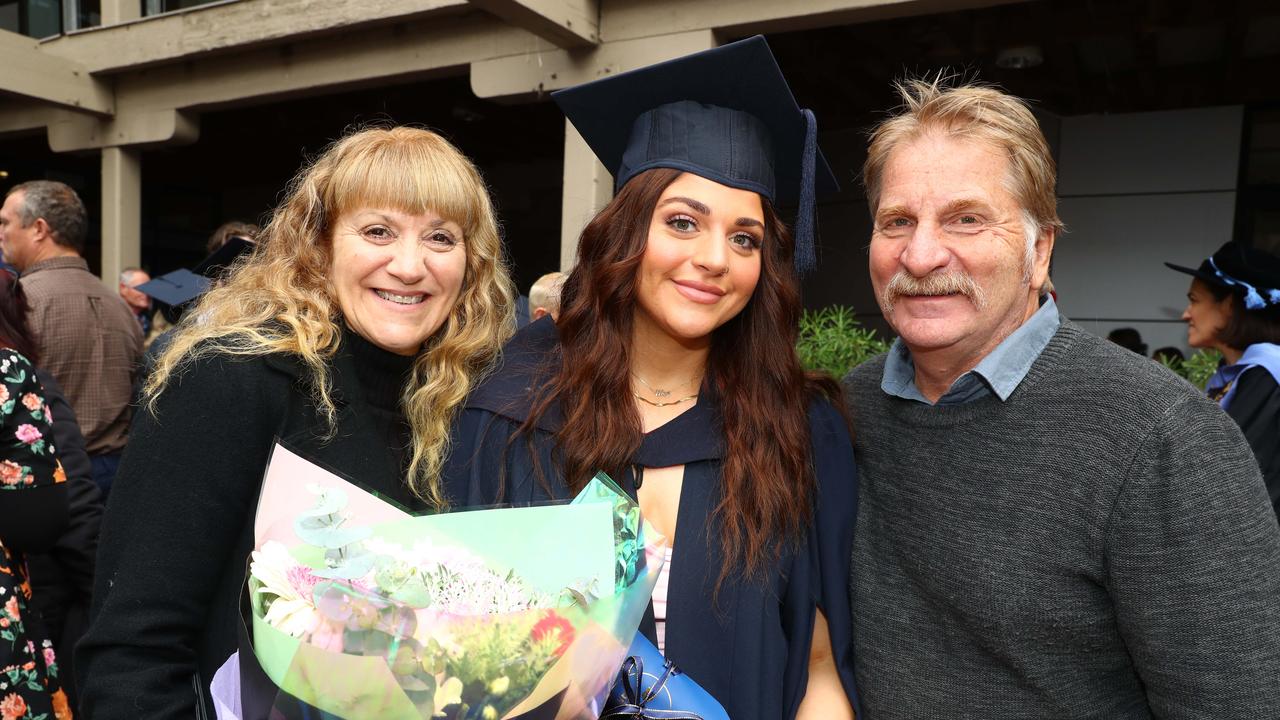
(1206, 316)
(701, 261)
(396, 276)
(949, 259)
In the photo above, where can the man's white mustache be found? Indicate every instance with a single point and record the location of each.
(936, 283)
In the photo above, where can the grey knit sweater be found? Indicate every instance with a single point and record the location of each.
(1100, 545)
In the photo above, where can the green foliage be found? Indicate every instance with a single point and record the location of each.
(833, 341)
(1198, 368)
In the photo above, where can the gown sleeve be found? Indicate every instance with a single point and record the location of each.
(478, 471)
(187, 482)
(33, 499)
(831, 539)
(1256, 409)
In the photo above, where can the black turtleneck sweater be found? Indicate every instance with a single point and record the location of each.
(179, 527)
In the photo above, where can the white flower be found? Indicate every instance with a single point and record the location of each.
(449, 693)
(291, 610)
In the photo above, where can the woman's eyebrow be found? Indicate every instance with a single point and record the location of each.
(748, 222)
(694, 204)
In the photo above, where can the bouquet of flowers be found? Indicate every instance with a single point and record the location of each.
(360, 610)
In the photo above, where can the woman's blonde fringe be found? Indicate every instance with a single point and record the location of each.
(278, 299)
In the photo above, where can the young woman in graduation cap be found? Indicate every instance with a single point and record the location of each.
(672, 368)
(1234, 307)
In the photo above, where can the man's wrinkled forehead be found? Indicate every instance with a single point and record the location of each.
(956, 170)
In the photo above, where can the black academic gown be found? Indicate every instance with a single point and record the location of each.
(1256, 408)
(750, 649)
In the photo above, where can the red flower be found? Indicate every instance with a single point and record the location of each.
(13, 707)
(555, 627)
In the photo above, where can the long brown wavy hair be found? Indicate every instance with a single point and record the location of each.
(767, 479)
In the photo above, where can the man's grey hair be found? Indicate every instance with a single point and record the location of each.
(60, 207)
(126, 275)
(545, 292)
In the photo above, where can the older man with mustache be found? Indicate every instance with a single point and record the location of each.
(1049, 526)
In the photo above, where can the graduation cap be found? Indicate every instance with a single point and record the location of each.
(726, 114)
(175, 288)
(1251, 272)
(180, 287)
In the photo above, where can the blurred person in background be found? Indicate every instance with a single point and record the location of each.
(1233, 306)
(88, 339)
(544, 296)
(33, 515)
(1168, 355)
(138, 302)
(228, 230)
(377, 296)
(62, 577)
(1129, 339)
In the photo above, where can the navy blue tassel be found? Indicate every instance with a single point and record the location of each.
(806, 258)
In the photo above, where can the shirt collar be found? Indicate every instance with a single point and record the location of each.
(1266, 355)
(1000, 372)
(55, 263)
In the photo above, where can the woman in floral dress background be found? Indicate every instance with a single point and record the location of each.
(33, 512)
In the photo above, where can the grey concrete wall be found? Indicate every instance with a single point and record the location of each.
(1135, 191)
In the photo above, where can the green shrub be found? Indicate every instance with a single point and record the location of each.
(833, 341)
(1198, 368)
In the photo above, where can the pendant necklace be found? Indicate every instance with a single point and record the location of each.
(656, 403)
(659, 393)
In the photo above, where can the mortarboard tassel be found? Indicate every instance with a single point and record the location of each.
(806, 258)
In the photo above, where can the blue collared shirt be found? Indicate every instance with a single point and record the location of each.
(1000, 372)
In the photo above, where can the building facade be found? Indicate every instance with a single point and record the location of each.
(172, 115)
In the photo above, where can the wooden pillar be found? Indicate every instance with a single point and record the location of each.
(121, 212)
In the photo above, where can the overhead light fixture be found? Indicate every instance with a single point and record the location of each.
(1020, 58)
(4, 174)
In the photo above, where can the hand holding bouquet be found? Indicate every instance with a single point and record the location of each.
(362, 611)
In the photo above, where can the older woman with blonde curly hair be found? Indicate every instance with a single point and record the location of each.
(375, 299)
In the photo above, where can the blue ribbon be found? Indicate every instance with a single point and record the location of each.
(1253, 297)
(806, 258)
(636, 697)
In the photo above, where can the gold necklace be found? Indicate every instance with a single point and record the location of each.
(657, 392)
(655, 403)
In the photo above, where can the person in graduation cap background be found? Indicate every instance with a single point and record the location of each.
(1234, 307)
(672, 368)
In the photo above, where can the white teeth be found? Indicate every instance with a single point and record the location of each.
(401, 299)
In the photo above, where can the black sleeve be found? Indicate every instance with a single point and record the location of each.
(74, 551)
(1256, 409)
(186, 486)
(477, 470)
(33, 519)
(33, 498)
